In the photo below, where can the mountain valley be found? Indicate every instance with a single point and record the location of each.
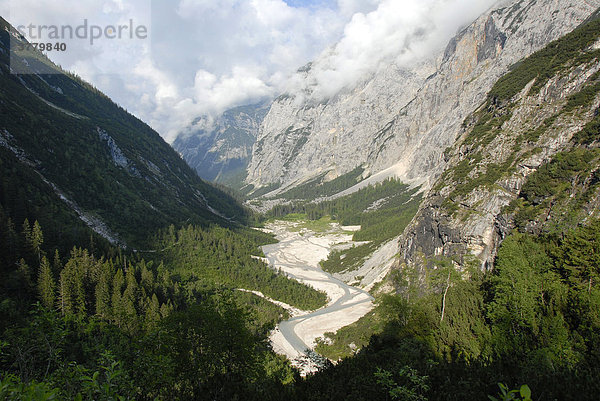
(430, 232)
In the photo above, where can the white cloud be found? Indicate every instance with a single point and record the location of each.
(205, 56)
(398, 31)
(351, 7)
(228, 53)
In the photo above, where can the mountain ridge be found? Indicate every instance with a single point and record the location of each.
(107, 167)
(221, 152)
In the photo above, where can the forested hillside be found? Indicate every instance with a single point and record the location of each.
(170, 323)
(83, 313)
(85, 158)
(452, 335)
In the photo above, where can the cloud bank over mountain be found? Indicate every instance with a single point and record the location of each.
(205, 56)
(402, 32)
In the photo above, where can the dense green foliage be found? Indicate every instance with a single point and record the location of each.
(346, 341)
(558, 190)
(255, 193)
(105, 160)
(202, 352)
(25, 195)
(318, 187)
(205, 257)
(348, 210)
(534, 320)
(586, 96)
(590, 133)
(124, 326)
(134, 294)
(347, 259)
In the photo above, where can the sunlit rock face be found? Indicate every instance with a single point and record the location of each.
(404, 116)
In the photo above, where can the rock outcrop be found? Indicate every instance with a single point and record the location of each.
(474, 204)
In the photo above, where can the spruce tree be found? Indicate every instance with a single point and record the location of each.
(118, 312)
(81, 268)
(72, 289)
(103, 307)
(65, 290)
(26, 242)
(166, 309)
(36, 240)
(56, 263)
(152, 313)
(147, 278)
(129, 301)
(27, 231)
(25, 272)
(46, 284)
(12, 242)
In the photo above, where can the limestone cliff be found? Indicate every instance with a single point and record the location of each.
(404, 117)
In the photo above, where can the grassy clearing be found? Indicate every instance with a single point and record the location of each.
(348, 259)
(302, 222)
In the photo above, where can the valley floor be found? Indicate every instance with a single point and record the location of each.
(298, 254)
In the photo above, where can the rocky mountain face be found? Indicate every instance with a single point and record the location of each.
(296, 144)
(527, 159)
(222, 152)
(88, 164)
(401, 118)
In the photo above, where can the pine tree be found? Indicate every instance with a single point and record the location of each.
(103, 308)
(65, 293)
(170, 237)
(56, 263)
(92, 245)
(72, 286)
(166, 309)
(26, 244)
(25, 272)
(118, 312)
(27, 231)
(152, 313)
(36, 240)
(581, 256)
(46, 284)
(129, 301)
(12, 242)
(80, 260)
(147, 278)
(132, 288)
